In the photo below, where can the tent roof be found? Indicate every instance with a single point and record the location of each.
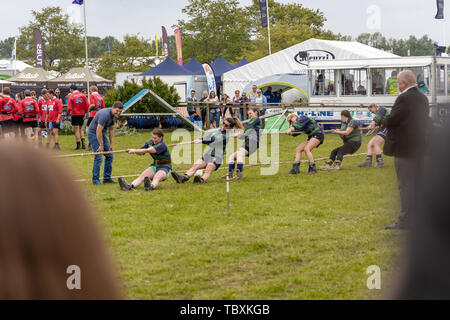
(14, 65)
(194, 66)
(284, 81)
(287, 60)
(33, 75)
(167, 68)
(80, 75)
(241, 63)
(220, 66)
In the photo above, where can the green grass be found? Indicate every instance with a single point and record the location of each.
(288, 237)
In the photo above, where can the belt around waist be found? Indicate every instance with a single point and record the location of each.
(158, 162)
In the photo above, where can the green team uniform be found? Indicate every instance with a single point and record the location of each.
(161, 159)
(217, 142)
(251, 135)
(309, 126)
(356, 133)
(379, 118)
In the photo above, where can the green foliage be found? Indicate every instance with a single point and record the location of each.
(289, 24)
(214, 28)
(125, 131)
(62, 39)
(98, 46)
(288, 237)
(418, 47)
(130, 56)
(67, 128)
(6, 48)
(148, 103)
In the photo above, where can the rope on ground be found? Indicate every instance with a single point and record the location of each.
(245, 166)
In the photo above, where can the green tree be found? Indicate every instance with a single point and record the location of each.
(6, 48)
(289, 24)
(214, 28)
(148, 103)
(98, 46)
(62, 40)
(133, 55)
(416, 46)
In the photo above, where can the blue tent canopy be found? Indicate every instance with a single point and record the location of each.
(167, 68)
(241, 63)
(194, 66)
(220, 66)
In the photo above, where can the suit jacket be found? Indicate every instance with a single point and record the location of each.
(407, 125)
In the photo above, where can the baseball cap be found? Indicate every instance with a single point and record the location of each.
(74, 87)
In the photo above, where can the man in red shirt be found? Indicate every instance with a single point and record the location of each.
(42, 124)
(54, 117)
(7, 110)
(96, 104)
(79, 105)
(29, 110)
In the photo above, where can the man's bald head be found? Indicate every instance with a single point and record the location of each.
(406, 79)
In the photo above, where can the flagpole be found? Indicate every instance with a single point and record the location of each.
(268, 26)
(86, 46)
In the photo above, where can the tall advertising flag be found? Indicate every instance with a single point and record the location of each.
(440, 8)
(40, 63)
(210, 77)
(165, 43)
(179, 47)
(263, 7)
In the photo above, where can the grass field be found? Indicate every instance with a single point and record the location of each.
(288, 237)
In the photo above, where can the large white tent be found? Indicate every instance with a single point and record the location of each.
(289, 61)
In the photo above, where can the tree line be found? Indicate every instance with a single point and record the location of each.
(211, 28)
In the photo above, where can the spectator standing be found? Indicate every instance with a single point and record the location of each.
(269, 95)
(214, 113)
(406, 140)
(253, 95)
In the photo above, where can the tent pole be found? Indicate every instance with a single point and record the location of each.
(86, 46)
(268, 26)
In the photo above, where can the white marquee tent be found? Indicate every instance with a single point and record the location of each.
(288, 61)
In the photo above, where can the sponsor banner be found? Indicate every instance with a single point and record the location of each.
(179, 47)
(440, 8)
(39, 46)
(165, 43)
(210, 77)
(263, 8)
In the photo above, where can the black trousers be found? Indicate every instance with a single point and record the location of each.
(408, 171)
(349, 147)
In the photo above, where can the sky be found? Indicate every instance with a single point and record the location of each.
(397, 19)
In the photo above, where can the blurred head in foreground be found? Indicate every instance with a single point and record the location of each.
(424, 273)
(46, 225)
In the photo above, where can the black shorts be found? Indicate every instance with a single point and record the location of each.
(30, 124)
(250, 146)
(208, 159)
(8, 125)
(382, 133)
(89, 121)
(42, 125)
(318, 136)
(77, 120)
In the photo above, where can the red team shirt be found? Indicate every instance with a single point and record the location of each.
(97, 100)
(42, 103)
(78, 104)
(7, 109)
(29, 108)
(55, 108)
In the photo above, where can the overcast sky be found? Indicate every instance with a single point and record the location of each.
(393, 18)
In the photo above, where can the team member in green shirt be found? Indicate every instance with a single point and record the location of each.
(376, 143)
(160, 168)
(315, 139)
(213, 157)
(251, 144)
(351, 135)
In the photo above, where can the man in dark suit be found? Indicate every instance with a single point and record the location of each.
(406, 141)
